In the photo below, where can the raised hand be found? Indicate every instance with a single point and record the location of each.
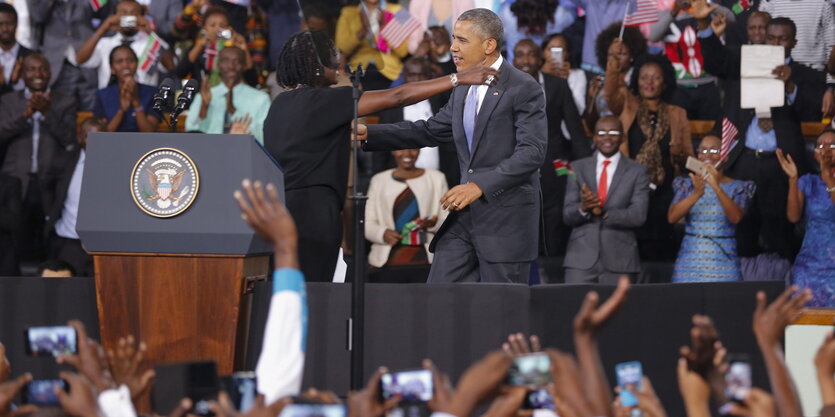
(702, 10)
(508, 404)
(81, 399)
(703, 345)
(567, 388)
(480, 382)
(90, 360)
(366, 403)
(517, 345)
(591, 318)
(270, 220)
(694, 390)
(648, 401)
(478, 75)
(240, 125)
(5, 367)
(10, 389)
(770, 321)
(223, 407)
(757, 403)
(124, 365)
(719, 24)
(787, 164)
(443, 393)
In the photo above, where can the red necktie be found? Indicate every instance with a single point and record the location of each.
(601, 186)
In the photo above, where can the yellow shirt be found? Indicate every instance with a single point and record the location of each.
(360, 51)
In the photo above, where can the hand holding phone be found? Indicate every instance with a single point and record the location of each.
(629, 374)
(697, 166)
(41, 392)
(51, 341)
(414, 386)
(533, 370)
(738, 378)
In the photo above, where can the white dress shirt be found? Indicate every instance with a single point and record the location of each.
(65, 226)
(429, 157)
(101, 58)
(610, 170)
(482, 89)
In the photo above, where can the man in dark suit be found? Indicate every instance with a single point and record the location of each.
(11, 52)
(64, 26)
(443, 157)
(37, 127)
(561, 111)
(605, 204)
(500, 134)
(765, 228)
(10, 202)
(62, 214)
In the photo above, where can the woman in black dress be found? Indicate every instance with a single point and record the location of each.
(308, 132)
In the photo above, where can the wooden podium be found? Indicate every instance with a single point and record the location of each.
(174, 260)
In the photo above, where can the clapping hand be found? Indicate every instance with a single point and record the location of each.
(787, 164)
(590, 201)
(240, 125)
(124, 365)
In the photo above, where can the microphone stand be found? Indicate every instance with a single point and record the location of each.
(172, 120)
(356, 333)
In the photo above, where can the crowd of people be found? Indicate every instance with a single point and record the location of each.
(112, 383)
(617, 101)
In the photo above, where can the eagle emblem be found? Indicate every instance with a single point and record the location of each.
(164, 182)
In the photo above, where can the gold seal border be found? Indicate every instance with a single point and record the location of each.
(196, 180)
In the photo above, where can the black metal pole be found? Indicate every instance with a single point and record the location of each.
(356, 341)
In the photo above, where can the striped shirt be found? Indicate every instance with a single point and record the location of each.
(815, 28)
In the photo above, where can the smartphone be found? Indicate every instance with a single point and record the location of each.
(697, 166)
(533, 370)
(556, 55)
(41, 392)
(539, 400)
(50, 341)
(224, 34)
(738, 378)
(313, 410)
(629, 373)
(242, 388)
(413, 386)
(195, 380)
(127, 21)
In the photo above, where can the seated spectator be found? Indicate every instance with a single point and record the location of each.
(697, 91)
(812, 196)
(10, 221)
(201, 59)
(65, 244)
(566, 142)
(605, 204)
(434, 13)
(708, 250)
(561, 67)
(33, 116)
(532, 19)
(56, 268)
(657, 135)
(215, 108)
(358, 39)
(134, 30)
(11, 52)
(608, 46)
(126, 104)
(403, 212)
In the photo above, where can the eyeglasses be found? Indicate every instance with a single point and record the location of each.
(822, 146)
(711, 151)
(608, 133)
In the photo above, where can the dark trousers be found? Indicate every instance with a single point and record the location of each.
(456, 258)
(317, 212)
(765, 227)
(31, 245)
(81, 83)
(71, 251)
(702, 102)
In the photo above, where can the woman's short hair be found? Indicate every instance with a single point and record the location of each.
(666, 70)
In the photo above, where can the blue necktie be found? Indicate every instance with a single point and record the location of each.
(470, 113)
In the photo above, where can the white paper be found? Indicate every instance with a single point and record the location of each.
(760, 89)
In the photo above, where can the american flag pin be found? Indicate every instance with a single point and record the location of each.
(495, 93)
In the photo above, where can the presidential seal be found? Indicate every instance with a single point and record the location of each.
(164, 182)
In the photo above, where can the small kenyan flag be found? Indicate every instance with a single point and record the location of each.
(563, 167)
(413, 234)
(97, 4)
(741, 6)
(150, 53)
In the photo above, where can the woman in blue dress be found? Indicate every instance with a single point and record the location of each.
(813, 196)
(711, 207)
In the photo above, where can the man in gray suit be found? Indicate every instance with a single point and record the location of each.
(64, 26)
(605, 204)
(37, 128)
(500, 134)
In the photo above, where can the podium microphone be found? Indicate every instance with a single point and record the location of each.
(186, 97)
(164, 97)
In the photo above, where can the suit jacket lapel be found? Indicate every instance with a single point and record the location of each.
(488, 104)
(590, 174)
